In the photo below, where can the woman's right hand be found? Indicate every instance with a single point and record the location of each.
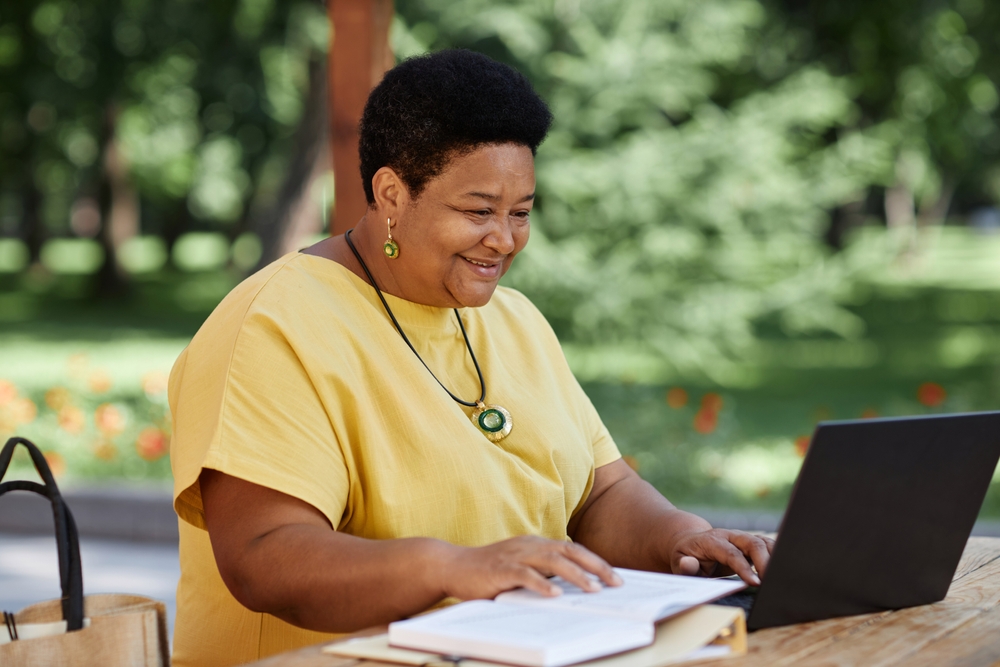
(344, 583)
(469, 573)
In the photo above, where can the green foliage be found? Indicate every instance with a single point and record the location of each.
(926, 69)
(672, 213)
(198, 97)
(699, 149)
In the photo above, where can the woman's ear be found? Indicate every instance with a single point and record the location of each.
(391, 194)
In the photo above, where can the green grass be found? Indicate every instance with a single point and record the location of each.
(93, 371)
(53, 335)
(949, 336)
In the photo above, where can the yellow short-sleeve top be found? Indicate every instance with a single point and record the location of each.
(299, 382)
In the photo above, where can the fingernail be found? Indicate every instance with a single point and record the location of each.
(616, 579)
(594, 586)
(755, 580)
(555, 590)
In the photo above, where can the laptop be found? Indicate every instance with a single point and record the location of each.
(878, 517)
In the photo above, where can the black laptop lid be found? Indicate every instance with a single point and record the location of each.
(879, 516)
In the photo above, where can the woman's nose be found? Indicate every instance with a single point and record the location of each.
(501, 238)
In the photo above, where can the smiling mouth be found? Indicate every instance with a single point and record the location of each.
(484, 269)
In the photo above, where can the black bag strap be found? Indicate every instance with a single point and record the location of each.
(67, 540)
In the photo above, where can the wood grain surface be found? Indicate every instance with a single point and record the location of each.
(961, 630)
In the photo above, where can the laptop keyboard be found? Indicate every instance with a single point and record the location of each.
(743, 600)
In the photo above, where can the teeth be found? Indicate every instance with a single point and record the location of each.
(476, 263)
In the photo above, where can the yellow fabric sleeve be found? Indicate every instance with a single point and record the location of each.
(274, 429)
(249, 409)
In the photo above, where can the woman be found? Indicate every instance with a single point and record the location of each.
(372, 426)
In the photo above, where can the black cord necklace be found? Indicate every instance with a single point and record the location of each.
(493, 420)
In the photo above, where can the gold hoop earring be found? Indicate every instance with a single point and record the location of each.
(390, 247)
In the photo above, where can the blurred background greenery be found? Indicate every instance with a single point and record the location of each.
(752, 215)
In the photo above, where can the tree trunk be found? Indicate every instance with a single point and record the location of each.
(294, 215)
(359, 58)
(899, 207)
(119, 204)
(33, 229)
(328, 132)
(843, 219)
(937, 212)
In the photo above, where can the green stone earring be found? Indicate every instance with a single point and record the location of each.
(390, 247)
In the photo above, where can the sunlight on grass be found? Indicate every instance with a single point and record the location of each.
(753, 470)
(36, 365)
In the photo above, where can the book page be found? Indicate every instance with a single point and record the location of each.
(645, 596)
(507, 624)
(519, 635)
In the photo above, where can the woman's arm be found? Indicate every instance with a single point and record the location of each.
(628, 523)
(279, 555)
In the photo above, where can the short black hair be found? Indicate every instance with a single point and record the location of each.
(429, 108)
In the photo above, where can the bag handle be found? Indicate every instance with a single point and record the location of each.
(67, 539)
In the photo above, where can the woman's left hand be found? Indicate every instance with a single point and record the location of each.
(629, 524)
(718, 552)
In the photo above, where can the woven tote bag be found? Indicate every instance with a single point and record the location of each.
(107, 630)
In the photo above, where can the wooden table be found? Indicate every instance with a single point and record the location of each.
(962, 629)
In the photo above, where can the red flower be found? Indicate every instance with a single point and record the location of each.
(71, 419)
(109, 419)
(931, 394)
(677, 398)
(802, 444)
(711, 402)
(153, 443)
(705, 421)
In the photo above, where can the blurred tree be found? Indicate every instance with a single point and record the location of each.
(927, 72)
(684, 194)
(358, 60)
(684, 190)
(183, 110)
(293, 213)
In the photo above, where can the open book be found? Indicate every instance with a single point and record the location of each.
(524, 628)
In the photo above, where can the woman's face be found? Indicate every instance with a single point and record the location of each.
(461, 234)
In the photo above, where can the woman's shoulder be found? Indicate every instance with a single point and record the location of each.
(511, 310)
(292, 279)
(283, 296)
(286, 285)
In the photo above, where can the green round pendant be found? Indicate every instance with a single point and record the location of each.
(391, 249)
(493, 420)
